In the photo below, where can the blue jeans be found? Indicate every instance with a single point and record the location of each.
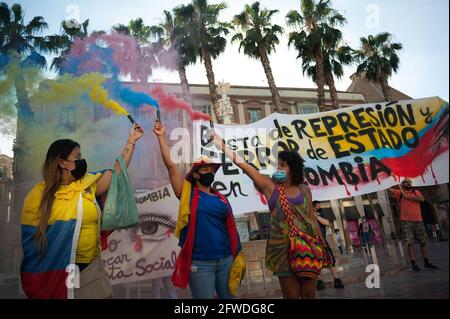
(209, 276)
(366, 243)
(365, 239)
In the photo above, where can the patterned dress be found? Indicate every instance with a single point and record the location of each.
(277, 249)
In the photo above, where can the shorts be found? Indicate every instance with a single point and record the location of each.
(414, 230)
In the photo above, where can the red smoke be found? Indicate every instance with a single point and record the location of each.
(172, 103)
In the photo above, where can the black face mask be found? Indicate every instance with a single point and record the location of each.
(80, 169)
(206, 179)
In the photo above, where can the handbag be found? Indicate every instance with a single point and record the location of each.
(120, 210)
(307, 253)
(94, 282)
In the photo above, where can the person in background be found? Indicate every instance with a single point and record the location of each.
(323, 224)
(365, 233)
(339, 240)
(411, 221)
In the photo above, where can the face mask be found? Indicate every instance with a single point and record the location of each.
(206, 179)
(279, 176)
(80, 169)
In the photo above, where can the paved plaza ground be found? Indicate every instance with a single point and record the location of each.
(396, 281)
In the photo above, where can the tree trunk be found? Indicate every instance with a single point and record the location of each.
(320, 79)
(333, 91)
(270, 80)
(184, 83)
(382, 80)
(21, 181)
(386, 90)
(23, 104)
(211, 83)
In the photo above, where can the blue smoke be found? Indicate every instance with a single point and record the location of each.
(107, 65)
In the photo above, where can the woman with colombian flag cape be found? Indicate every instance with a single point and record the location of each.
(206, 228)
(60, 222)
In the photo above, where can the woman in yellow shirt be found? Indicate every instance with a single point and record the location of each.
(60, 219)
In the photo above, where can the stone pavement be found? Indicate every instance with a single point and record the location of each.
(396, 281)
(406, 284)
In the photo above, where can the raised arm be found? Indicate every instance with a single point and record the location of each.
(127, 153)
(263, 183)
(176, 179)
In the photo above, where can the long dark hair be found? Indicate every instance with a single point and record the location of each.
(295, 163)
(51, 172)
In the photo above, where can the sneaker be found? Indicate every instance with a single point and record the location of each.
(320, 285)
(415, 268)
(338, 283)
(430, 266)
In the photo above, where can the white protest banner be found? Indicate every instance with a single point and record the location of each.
(347, 152)
(149, 250)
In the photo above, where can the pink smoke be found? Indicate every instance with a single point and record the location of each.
(172, 103)
(128, 57)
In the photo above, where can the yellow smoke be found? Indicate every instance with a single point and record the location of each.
(67, 89)
(100, 95)
(8, 77)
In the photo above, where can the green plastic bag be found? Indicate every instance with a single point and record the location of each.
(120, 210)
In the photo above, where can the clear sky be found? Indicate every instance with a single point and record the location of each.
(422, 26)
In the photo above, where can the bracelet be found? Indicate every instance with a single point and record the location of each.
(131, 143)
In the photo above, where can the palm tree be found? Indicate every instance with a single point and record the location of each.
(171, 36)
(204, 31)
(317, 23)
(142, 34)
(70, 31)
(23, 40)
(378, 58)
(137, 29)
(334, 59)
(22, 43)
(258, 37)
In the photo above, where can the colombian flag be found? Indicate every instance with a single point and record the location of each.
(45, 277)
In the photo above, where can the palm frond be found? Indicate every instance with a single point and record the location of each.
(5, 15)
(36, 25)
(293, 18)
(17, 11)
(121, 28)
